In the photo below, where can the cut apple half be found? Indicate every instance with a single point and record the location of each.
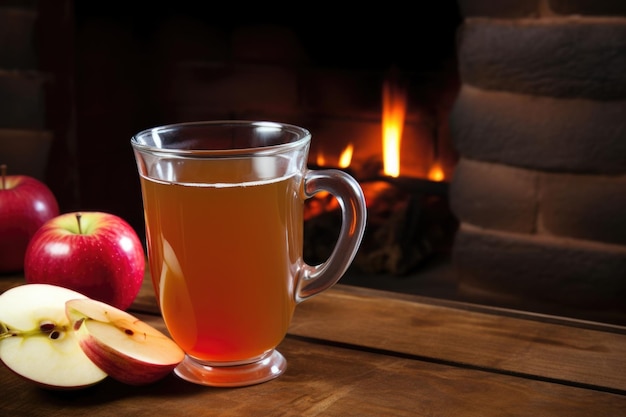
(37, 341)
(126, 348)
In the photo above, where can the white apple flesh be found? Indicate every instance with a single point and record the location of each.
(126, 348)
(37, 341)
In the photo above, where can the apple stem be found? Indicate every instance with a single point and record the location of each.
(80, 229)
(3, 173)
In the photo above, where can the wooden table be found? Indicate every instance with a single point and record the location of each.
(359, 352)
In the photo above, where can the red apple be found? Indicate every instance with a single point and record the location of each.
(25, 204)
(97, 254)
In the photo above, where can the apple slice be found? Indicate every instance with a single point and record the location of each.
(37, 341)
(126, 348)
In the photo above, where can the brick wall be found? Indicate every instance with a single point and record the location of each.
(25, 140)
(540, 128)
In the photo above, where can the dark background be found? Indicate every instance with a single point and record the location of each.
(106, 65)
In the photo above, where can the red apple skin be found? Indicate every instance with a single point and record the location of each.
(25, 204)
(121, 367)
(105, 262)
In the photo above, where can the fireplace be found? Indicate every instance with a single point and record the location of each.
(405, 187)
(329, 75)
(512, 213)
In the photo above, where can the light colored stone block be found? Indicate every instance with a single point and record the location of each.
(517, 269)
(591, 207)
(494, 196)
(543, 133)
(558, 57)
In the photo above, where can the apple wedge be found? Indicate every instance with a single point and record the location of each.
(126, 348)
(37, 341)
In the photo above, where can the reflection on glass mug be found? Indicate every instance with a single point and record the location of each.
(223, 204)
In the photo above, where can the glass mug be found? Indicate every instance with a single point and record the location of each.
(223, 206)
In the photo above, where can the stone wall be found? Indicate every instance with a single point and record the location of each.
(540, 126)
(24, 139)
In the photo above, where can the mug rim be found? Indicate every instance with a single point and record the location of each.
(304, 136)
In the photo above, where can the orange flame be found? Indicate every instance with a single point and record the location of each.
(394, 110)
(320, 160)
(346, 156)
(436, 172)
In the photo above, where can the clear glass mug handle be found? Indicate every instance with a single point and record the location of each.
(347, 191)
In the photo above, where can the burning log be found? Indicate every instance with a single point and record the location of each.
(406, 227)
(409, 220)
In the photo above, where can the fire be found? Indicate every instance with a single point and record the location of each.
(436, 173)
(346, 156)
(394, 110)
(320, 160)
(345, 159)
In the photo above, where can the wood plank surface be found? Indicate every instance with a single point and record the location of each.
(540, 346)
(323, 380)
(534, 345)
(360, 352)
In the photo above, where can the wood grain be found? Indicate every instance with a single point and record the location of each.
(533, 345)
(323, 381)
(360, 352)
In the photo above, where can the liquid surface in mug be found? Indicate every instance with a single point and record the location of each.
(222, 261)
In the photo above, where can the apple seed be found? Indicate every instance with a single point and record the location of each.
(45, 327)
(51, 329)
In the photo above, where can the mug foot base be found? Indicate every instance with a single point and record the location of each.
(268, 368)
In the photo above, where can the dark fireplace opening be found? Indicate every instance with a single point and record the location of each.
(323, 69)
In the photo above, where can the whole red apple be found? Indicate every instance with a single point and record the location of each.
(97, 254)
(25, 204)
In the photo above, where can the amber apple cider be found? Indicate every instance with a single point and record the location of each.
(223, 256)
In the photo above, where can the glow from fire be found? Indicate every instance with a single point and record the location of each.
(320, 160)
(346, 156)
(436, 173)
(394, 110)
